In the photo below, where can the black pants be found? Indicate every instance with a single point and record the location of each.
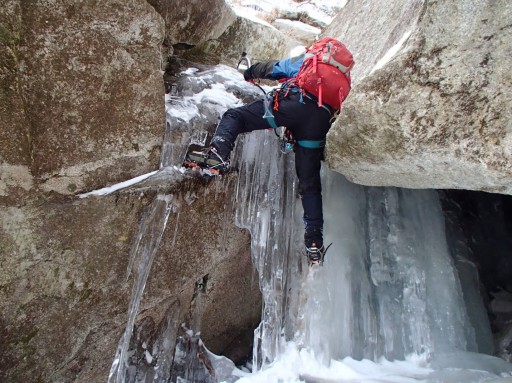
(306, 121)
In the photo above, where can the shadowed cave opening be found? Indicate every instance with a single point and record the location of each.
(485, 220)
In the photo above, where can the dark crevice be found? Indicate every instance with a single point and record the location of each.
(484, 225)
(182, 46)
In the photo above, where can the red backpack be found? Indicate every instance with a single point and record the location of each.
(325, 72)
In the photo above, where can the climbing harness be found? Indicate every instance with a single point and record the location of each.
(271, 102)
(286, 141)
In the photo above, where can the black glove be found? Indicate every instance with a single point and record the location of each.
(260, 70)
(248, 75)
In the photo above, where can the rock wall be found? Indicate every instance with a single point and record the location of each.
(431, 102)
(212, 32)
(63, 286)
(481, 223)
(89, 80)
(82, 107)
(259, 40)
(193, 22)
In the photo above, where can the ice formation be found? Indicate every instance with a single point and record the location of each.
(389, 304)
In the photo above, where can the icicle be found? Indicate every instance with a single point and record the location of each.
(265, 206)
(152, 229)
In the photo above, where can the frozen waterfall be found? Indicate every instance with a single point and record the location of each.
(389, 287)
(389, 304)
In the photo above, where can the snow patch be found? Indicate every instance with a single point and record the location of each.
(300, 26)
(250, 15)
(190, 71)
(296, 365)
(182, 110)
(216, 93)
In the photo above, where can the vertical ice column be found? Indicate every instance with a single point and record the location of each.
(151, 229)
(338, 311)
(417, 290)
(388, 286)
(266, 198)
(397, 276)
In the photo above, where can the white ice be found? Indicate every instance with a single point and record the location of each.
(118, 186)
(217, 95)
(214, 95)
(297, 365)
(392, 52)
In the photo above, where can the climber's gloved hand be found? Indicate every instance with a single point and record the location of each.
(248, 75)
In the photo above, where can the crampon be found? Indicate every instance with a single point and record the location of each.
(316, 255)
(206, 160)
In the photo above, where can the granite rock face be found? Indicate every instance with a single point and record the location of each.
(82, 107)
(193, 22)
(84, 79)
(259, 40)
(431, 99)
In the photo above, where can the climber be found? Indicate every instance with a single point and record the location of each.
(316, 83)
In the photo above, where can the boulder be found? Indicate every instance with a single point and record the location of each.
(431, 99)
(193, 22)
(89, 79)
(305, 33)
(260, 40)
(213, 32)
(63, 286)
(65, 290)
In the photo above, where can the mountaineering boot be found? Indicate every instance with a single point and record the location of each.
(207, 158)
(313, 236)
(315, 254)
(314, 243)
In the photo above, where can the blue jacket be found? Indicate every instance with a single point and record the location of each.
(274, 69)
(287, 68)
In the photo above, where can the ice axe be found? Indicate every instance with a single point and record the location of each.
(244, 63)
